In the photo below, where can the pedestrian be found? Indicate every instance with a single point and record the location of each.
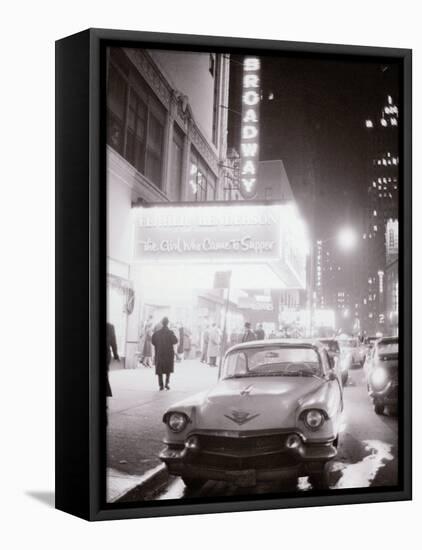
(180, 347)
(249, 334)
(214, 344)
(164, 341)
(146, 355)
(205, 342)
(187, 343)
(111, 349)
(260, 333)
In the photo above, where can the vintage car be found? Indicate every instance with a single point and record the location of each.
(381, 368)
(350, 347)
(367, 345)
(274, 414)
(342, 361)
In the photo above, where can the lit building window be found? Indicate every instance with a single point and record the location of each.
(369, 123)
(202, 181)
(383, 122)
(393, 121)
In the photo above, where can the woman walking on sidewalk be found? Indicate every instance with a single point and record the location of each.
(146, 357)
(164, 341)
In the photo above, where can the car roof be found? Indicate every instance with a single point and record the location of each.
(286, 342)
(388, 340)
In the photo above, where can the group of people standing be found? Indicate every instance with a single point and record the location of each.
(159, 346)
(212, 341)
(249, 334)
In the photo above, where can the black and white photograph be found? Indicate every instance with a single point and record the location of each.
(252, 274)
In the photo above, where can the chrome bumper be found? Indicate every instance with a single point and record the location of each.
(237, 469)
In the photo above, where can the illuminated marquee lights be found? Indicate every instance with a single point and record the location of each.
(249, 143)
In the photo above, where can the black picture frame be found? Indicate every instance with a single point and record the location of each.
(80, 273)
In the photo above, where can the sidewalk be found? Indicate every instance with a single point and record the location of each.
(135, 427)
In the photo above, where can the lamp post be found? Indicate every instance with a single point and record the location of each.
(346, 240)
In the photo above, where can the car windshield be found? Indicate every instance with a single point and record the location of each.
(272, 361)
(331, 345)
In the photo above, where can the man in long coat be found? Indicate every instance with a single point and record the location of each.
(164, 341)
(249, 334)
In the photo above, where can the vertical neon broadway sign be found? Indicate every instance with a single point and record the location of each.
(249, 141)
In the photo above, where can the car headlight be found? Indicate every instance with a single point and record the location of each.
(379, 378)
(313, 419)
(176, 421)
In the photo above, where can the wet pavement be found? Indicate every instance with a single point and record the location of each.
(367, 453)
(135, 429)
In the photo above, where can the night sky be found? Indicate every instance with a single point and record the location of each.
(316, 125)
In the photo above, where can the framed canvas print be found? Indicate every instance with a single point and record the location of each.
(233, 274)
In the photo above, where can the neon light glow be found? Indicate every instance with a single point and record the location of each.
(249, 146)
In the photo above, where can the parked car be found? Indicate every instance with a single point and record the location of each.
(342, 360)
(274, 414)
(381, 370)
(349, 346)
(367, 345)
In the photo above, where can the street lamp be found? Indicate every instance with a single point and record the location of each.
(347, 238)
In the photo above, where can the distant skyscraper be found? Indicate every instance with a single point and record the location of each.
(382, 205)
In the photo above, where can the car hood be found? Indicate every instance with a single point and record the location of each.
(255, 403)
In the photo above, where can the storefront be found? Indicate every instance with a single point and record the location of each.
(179, 251)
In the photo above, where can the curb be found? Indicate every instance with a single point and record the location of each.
(150, 483)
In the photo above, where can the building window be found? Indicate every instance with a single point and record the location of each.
(176, 164)
(136, 132)
(136, 119)
(154, 150)
(202, 182)
(116, 108)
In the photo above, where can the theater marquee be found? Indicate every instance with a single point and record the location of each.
(207, 233)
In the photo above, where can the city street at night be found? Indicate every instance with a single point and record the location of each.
(367, 453)
(252, 274)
